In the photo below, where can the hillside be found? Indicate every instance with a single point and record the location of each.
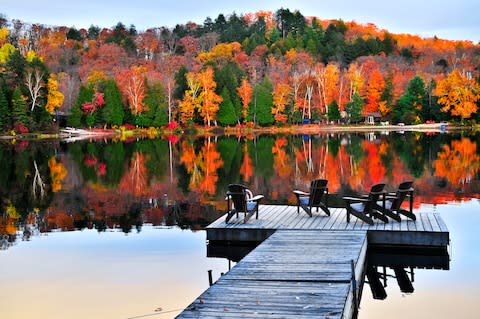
(263, 68)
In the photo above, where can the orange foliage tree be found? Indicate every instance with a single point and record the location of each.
(245, 93)
(280, 100)
(375, 87)
(458, 94)
(191, 99)
(210, 100)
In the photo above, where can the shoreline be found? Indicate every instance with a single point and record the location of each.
(71, 134)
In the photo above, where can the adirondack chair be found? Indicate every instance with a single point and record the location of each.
(241, 200)
(364, 207)
(307, 201)
(393, 201)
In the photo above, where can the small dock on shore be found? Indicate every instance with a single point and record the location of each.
(305, 267)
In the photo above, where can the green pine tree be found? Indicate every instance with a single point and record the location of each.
(112, 111)
(19, 108)
(156, 113)
(75, 118)
(5, 118)
(412, 107)
(262, 103)
(354, 108)
(226, 113)
(333, 111)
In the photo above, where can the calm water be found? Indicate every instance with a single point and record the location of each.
(114, 229)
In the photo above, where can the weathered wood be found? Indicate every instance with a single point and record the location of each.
(292, 274)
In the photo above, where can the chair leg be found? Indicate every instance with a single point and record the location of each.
(325, 209)
(407, 214)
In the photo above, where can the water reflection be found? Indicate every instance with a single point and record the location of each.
(385, 264)
(113, 185)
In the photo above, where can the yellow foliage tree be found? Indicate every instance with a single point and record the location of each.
(3, 35)
(55, 97)
(191, 99)
(5, 51)
(458, 94)
(31, 55)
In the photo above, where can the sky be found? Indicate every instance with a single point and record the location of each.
(447, 19)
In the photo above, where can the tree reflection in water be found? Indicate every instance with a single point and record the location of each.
(114, 185)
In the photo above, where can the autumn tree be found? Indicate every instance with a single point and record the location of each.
(55, 97)
(191, 99)
(458, 94)
(210, 101)
(280, 100)
(375, 88)
(245, 93)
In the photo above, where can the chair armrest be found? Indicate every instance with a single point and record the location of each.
(388, 196)
(256, 198)
(356, 199)
(300, 193)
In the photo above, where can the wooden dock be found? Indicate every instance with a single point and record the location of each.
(292, 274)
(306, 267)
(428, 230)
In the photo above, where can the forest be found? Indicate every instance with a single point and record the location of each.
(250, 70)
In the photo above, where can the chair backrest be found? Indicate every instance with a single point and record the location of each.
(238, 195)
(403, 190)
(375, 192)
(318, 188)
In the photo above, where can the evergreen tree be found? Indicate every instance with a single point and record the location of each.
(85, 94)
(262, 103)
(4, 111)
(354, 108)
(229, 76)
(411, 105)
(181, 81)
(156, 114)
(226, 113)
(333, 111)
(19, 108)
(113, 109)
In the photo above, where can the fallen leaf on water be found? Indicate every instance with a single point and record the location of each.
(158, 309)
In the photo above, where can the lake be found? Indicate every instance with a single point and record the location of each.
(114, 229)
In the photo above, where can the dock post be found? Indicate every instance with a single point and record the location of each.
(210, 280)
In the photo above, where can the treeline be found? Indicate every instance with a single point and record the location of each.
(253, 69)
